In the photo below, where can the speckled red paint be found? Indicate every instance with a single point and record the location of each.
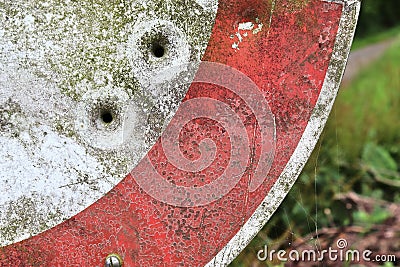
(288, 60)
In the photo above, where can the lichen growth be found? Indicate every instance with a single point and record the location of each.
(290, 5)
(81, 39)
(25, 218)
(10, 112)
(56, 53)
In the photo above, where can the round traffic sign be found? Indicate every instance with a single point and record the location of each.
(158, 133)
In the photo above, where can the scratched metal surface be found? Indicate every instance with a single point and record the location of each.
(285, 47)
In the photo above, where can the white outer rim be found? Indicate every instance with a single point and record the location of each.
(319, 116)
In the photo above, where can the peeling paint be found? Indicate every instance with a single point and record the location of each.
(243, 31)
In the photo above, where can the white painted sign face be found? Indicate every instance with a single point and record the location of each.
(79, 106)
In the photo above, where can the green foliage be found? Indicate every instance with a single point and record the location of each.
(378, 161)
(368, 220)
(377, 15)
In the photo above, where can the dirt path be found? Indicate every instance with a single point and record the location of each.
(361, 58)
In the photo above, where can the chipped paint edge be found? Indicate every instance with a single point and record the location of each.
(280, 189)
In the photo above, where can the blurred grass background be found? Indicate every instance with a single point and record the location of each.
(358, 154)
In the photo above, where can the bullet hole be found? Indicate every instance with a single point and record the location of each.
(157, 50)
(106, 116)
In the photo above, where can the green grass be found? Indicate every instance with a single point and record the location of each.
(376, 38)
(368, 110)
(365, 121)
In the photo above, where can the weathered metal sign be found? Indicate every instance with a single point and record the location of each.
(147, 133)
